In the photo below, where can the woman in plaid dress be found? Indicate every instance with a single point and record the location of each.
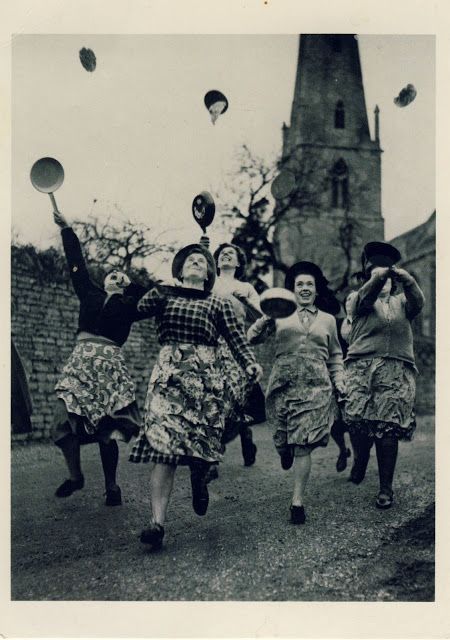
(184, 408)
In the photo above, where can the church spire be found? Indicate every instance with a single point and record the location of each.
(329, 105)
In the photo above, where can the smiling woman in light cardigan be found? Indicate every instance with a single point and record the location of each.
(308, 368)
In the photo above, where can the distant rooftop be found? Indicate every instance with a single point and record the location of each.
(417, 241)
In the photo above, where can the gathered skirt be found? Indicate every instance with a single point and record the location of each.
(380, 395)
(300, 402)
(184, 407)
(96, 386)
(243, 398)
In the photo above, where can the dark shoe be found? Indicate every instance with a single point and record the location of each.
(153, 536)
(341, 463)
(298, 515)
(113, 497)
(249, 453)
(200, 495)
(385, 500)
(287, 458)
(68, 487)
(213, 473)
(358, 472)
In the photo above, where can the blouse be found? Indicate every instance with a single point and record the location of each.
(315, 338)
(239, 294)
(383, 328)
(196, 317)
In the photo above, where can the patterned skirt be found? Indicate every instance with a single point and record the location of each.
(380, 397)
(95, 385)
(300, 401)
(239, 391)
(184, 407)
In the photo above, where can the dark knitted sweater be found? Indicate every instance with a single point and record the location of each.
(111, 319)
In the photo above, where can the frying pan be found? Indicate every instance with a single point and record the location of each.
(47, 175)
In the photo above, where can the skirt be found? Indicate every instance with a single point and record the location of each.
(95, 385)
(380, 397)
(244, 399)
(300, 402)
(184, 407)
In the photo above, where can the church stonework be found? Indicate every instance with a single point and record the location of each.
(336, 206)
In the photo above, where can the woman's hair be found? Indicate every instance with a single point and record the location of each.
(240, 269)
(189, 253)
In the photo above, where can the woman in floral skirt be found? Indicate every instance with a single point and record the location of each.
(95, 394)
(244, 398)
(184, 408)
(306, 375)
(380, 369)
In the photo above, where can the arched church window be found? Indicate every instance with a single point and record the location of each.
(339, 115)
(339, 185)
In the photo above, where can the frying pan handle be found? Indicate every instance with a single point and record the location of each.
(55, 206)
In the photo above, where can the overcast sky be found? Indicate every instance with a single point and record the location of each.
(135, 132)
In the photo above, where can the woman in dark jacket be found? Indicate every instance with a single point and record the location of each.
(380, 369)
(96, 396)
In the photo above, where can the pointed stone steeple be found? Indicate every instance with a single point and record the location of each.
(336, 163)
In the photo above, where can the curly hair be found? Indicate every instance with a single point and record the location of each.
(240, 270)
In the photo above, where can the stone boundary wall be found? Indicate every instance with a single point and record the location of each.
(43, 324)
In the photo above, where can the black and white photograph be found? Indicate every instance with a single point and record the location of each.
(223, 318)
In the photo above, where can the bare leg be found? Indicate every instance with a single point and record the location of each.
(302, 469)
(161, 485)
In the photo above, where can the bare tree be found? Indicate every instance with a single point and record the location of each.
(120, 243)
(252, 218)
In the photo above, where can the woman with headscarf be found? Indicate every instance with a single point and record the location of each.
(380, 368)
(184, 408)
(306, 375)
(244, 398)
(95, 394)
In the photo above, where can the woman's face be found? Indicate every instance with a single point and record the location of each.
(228, 258)
(305, 289)
(195, 267)
(116, 282)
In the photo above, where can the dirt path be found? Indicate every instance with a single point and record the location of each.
(243, 549)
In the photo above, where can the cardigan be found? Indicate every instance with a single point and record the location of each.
(319, 340)
(111, 318)
(197, 319)
(237, 293)
(383, 329)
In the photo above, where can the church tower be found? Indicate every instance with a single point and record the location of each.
(328, 200)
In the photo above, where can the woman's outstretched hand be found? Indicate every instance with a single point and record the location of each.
(254, 371)
(60, 219)
(402, 276)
